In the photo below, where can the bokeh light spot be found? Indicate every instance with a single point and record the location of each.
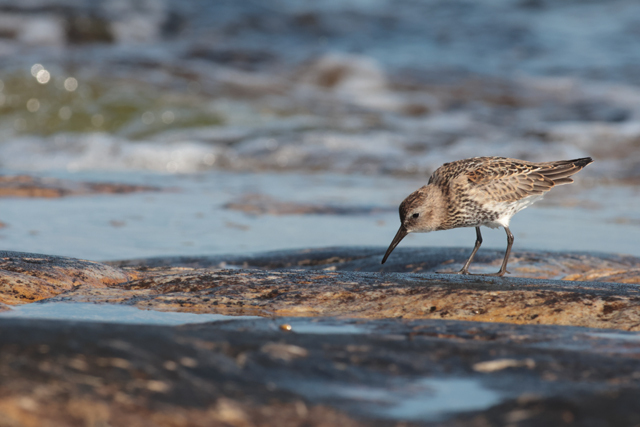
(35, 69)
(65, 113)
(70, 84)
(43, 77)
(33, 105)
(168, 117)
(148, 117)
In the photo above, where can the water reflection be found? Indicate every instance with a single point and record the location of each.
(421, 399)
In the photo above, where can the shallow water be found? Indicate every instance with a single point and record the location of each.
(330, 327)
(619, 336)
(110, 313)
(191, 218)
(433, 398)
(421, 399)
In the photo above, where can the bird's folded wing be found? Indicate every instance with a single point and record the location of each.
(513, 183)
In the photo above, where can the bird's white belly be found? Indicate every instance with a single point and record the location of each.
(508, 210)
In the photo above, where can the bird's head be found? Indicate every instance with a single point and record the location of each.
(420, 212)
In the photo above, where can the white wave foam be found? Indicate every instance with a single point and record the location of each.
(99, 151)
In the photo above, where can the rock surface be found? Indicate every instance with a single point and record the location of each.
(375, 296)
(32, 277)
(357, 347)
(374, 373)
(574, 266)
(190, 284)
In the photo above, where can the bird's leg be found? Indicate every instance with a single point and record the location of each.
(503, 269)
(465, 268)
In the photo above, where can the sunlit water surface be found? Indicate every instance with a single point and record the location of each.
(109, 313)
(190, 218)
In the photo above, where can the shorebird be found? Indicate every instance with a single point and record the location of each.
(480, 191)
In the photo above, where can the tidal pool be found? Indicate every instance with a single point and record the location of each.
(330, 327)
(110, 313)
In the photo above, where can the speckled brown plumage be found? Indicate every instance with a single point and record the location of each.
(480, 191)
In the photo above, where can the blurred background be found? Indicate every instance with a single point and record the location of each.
(241, 126)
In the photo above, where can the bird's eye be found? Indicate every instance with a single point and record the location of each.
(415, 215)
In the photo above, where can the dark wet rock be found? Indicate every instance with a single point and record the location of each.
(375, 295)
(583, 266)
(328, 363)
(375, 373)
(30, 186)
(92, 374)
(328, 293)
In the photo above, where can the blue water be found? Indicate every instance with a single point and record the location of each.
(191, 220)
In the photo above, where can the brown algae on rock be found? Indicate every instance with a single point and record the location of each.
(32, 277)
(368, 295)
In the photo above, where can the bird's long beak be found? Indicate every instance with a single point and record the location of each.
(402, 232)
